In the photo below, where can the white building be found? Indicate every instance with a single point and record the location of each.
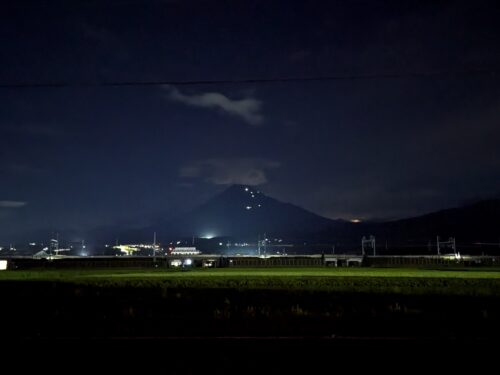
(185, 251)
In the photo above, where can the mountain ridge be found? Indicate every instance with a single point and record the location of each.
(242, 210)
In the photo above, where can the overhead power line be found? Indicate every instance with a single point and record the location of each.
(352, 77)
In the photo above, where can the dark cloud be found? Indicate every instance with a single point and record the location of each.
(245, 171)
(21, 169)
(34, 130)
(98, 34)
(12, 204)
(300, 55)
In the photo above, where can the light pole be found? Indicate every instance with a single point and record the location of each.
(154, 248)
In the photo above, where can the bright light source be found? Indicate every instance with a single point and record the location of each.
(176, 263)
(355, 221)
(248, 207)
(188, 262)
(3, 265)
(220, 243)
(246, 189)
(208, 236)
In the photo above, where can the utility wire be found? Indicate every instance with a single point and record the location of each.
(353, 77)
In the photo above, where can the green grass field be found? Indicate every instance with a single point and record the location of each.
(451, 281)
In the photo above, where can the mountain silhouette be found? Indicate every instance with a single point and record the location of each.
(474, 222)
(245, 211)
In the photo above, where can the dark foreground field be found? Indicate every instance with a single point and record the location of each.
(246, 317)
(308, 303)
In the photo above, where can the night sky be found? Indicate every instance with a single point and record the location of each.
(415, 129)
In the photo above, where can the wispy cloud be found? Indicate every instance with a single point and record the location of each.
(248, 109)
(34, 130)
(98, 34)
(245, 171)
(185, 185)
(300, 55)
(12, 204)
(21, 169)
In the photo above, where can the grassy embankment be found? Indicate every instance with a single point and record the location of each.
(355, 302)
(455, 282)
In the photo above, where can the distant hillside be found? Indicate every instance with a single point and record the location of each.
(246, 211)
(476, 222)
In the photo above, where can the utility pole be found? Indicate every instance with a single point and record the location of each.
(154, 248)
(368, 241)
(265, 240)
(258, 244)
(450, 243)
